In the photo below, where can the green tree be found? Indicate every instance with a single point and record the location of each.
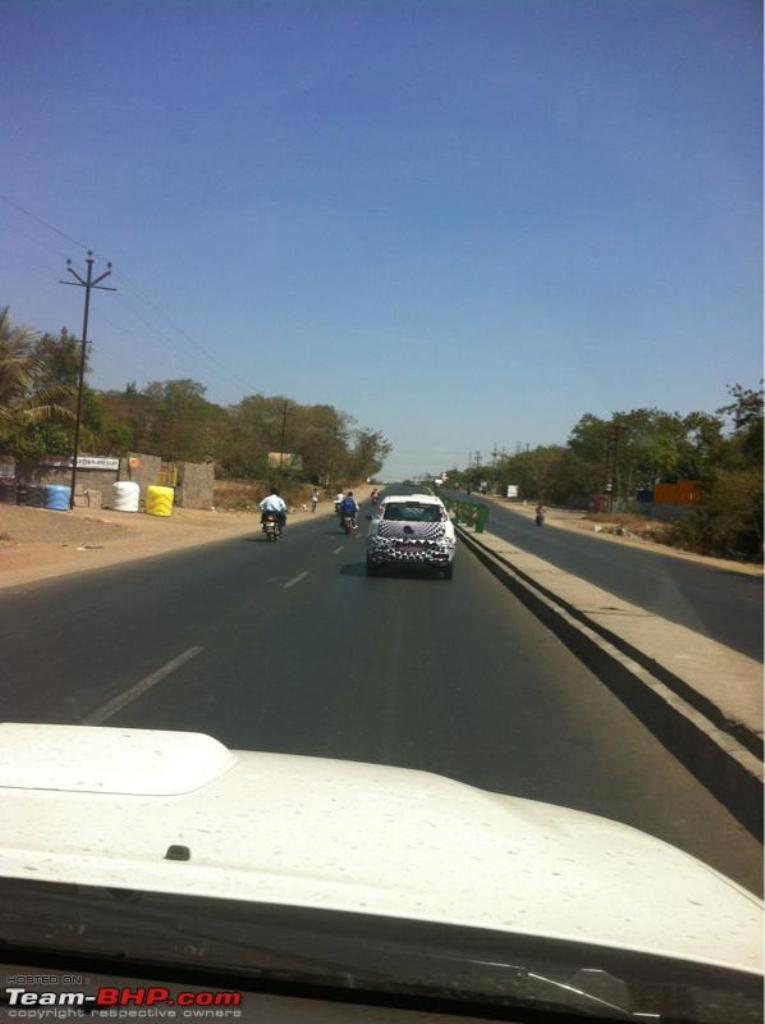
(183, 424)
(729, 518)
(369, 452)
(746, 411)
(33, 406)
(60, 357)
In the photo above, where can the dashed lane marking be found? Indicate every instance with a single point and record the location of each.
(99, 716)
(296, 579)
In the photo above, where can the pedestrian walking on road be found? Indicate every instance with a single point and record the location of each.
(314, 499)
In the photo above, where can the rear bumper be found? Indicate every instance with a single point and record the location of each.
(436, 555)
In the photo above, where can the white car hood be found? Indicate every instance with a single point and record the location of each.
(100, 806)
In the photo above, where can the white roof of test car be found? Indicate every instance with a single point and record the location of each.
(425, 499)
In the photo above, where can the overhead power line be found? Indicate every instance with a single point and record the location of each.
(59, 252)
(47, 224)
(138, 291)
(143, 297)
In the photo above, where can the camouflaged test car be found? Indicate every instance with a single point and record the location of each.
(411, 530)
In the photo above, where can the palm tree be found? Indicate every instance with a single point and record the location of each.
(24, 399)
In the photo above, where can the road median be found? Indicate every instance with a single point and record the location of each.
(701, 699)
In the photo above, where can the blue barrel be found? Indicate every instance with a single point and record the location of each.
(57, 497)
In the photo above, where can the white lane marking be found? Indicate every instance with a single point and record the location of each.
(99, 716)
(338, 550)
(300, 576)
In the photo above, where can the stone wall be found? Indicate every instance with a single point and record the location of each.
(194, 487)
(145, 473)
(99, 480)
(195, 484)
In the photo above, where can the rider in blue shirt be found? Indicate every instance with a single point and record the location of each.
(349, 506)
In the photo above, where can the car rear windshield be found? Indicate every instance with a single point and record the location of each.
(413, 511)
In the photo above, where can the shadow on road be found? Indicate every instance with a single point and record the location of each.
(402, 572)
(354, 569)
(750, 579)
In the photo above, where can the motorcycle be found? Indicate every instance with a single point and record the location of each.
(271, 527)
(539, 518)
(349, 523)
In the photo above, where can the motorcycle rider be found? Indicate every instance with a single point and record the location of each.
(539, 514)
(338, 501)
(274, 503)
(349, 507)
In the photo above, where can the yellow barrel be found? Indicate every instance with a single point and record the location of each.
(159, 500)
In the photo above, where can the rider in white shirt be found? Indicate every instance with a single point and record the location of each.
(273, 503)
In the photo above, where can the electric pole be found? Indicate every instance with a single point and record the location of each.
(332, 449)
(281, 443)
(612, 465)
(88, 284)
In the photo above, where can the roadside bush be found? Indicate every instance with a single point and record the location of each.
(244, 495)
(728, 520)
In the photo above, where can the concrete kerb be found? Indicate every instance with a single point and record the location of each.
(718, 758)
(750, 739)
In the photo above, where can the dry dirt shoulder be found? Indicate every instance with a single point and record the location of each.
(38, 544)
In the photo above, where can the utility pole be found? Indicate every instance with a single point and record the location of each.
(332, 449)
(88, 284)
(281, 443)
(612, 464)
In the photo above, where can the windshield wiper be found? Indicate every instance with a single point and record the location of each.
(261, 944)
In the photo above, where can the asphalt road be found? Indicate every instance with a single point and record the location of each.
(720, 603)
(290, 648)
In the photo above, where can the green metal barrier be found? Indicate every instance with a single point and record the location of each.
(468, 513)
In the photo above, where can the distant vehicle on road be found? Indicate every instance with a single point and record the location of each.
(411, 530)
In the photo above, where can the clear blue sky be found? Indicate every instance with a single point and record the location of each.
(466, 223)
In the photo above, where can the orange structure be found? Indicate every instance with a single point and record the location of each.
(685, 492)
